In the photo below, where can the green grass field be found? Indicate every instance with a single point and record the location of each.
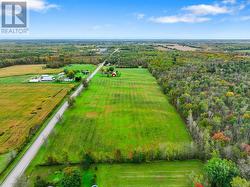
(126, 113)
(155, 174)
(159, 174)
(89, 67)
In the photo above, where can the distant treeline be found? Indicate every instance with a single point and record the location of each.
(53, 55)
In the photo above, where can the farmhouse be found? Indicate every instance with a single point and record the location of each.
(46, 78)
(42, 78)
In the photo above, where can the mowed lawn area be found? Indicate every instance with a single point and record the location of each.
(124, 113)
(159, 174)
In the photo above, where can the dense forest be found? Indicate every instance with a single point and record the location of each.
(214, 99)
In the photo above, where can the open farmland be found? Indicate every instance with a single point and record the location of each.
(23, 109)
(127, 113)
(158, 174)
(26, 70)
(25, 106)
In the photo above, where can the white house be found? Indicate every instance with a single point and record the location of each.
(46, 78)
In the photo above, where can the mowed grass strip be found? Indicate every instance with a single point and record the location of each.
(126, 113)
(23, 107)
(26, 69)
(159, 174)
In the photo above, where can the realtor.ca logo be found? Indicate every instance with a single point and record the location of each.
(14, 17)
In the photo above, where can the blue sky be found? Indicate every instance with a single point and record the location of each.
(138, 19)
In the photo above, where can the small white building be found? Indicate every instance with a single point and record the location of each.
(46, 78)
(34, 80)
(68, 80)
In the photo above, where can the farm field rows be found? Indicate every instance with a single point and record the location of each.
(158, 174)
(127, 113)
(25, 106)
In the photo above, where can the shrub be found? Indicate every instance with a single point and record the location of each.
(111, 69)
(240, 182)
(70, 74)
(85, 83)
(71, 178)
(138, 157)
(78, 78)
(220, 172)
(39, 182)
(71, 102)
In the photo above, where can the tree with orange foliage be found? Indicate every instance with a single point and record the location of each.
(220, 136)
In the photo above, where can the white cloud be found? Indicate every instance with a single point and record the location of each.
(242, 6)
(139, 16)
(229, 1)
(179, 19)
(36, 5)
(204, 9)
(199, 13)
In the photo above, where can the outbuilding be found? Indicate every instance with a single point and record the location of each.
(34, 80)
(46, 78)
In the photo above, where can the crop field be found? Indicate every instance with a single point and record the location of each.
(26, 70)
(25, 106)
(125, 113)
(39, 69)
(159, 174)
(23, 109)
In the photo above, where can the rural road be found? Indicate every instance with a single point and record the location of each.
(21, 166)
